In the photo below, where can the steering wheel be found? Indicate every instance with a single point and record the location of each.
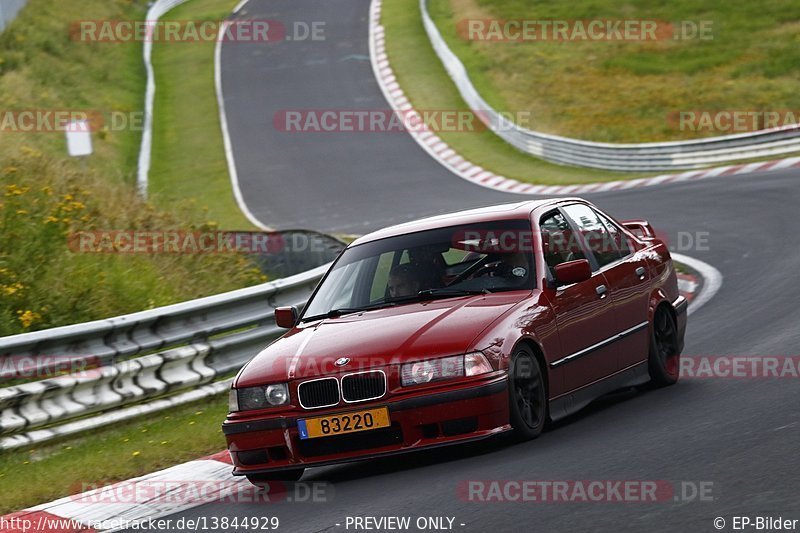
(476, 270)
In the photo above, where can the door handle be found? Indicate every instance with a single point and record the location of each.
(640, 272)
(601, 291)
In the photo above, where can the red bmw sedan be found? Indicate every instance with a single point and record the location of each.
(456, 328)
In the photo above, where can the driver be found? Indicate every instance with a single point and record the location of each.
(404, 280)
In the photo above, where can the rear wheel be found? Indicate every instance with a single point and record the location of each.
(262, 480)
(527, 397)
(664, 359)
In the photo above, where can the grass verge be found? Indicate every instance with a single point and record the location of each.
(33, 476)
(427, 85)
(188, 156)
(630, 91)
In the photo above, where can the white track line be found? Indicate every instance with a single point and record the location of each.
(712, 280)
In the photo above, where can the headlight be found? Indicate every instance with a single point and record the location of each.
(472, 364)
(277, 394)
(476, 364)
(251, 398)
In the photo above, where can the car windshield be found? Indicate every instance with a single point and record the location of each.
(441, 263)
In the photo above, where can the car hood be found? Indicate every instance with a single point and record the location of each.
(378, 337)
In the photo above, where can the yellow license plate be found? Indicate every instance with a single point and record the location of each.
(326, 426)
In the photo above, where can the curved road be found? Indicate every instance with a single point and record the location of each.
(742, 435)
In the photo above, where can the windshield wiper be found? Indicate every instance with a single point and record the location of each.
(333, 313)
(447, 292)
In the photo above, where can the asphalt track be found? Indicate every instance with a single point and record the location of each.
(742, 435)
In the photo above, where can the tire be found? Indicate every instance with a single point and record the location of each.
(262, 480)
(527, 397)
(663, 361)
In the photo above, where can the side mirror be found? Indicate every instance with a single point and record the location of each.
(573, 272)
(286, 317)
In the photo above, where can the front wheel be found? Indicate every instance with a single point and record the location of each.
(527, 396)
(664, 359)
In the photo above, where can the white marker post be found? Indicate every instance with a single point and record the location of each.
(79, 138)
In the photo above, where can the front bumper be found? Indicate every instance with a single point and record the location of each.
(459, 413)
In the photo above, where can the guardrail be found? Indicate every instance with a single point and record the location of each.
(644, 157)
(150, 355)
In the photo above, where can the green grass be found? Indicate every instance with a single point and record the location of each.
(188, 156)
(624, 91)
(33, 476)
(427, 86)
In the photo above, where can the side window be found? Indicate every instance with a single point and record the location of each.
(558, 242)
(617, 236)
(594, 234)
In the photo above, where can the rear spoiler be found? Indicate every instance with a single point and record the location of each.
(640, 228)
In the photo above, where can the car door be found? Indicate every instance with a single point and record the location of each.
(629, 281)
(583, 311)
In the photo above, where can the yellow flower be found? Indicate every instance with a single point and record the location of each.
(28, 317)
(50, 219)
(22, 212)
(136, 454)
(15, 190)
